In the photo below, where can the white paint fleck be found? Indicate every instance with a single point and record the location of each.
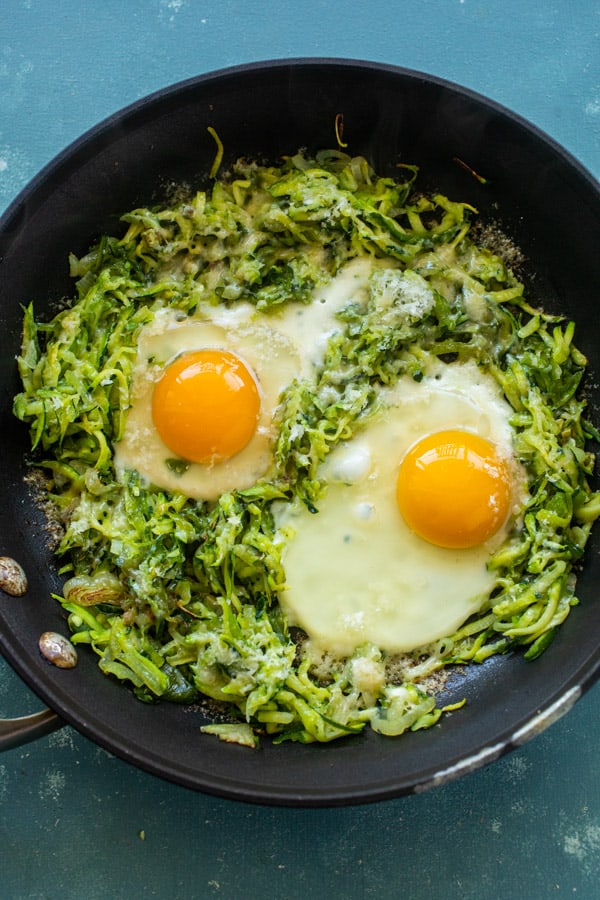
(101, 755)
(572, 846)
(583, 844)
(171, 8)
(63, 738)
(15, 68)
(15, 171)
(25, 68)
(496, 826)
(52, 785)
(593, 107)
(516, 767)
(3, 783)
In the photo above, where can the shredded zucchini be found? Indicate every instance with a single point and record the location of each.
(179, 597)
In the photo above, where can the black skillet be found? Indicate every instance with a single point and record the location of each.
(539, 194)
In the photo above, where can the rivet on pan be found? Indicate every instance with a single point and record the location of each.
(58, 650)
(12, 577)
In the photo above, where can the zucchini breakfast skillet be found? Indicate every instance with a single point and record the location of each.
(388, 180)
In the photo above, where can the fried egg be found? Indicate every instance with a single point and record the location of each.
(414, 505)
(206, 389)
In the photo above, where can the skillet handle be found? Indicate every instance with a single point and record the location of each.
(14, 732)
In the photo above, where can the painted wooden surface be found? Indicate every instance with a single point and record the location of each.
(76, 822)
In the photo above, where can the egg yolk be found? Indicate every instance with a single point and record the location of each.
(206, 405)
(453, 489)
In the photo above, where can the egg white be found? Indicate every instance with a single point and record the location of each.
(278, 346)
(355, 572)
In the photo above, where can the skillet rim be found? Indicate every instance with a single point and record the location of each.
(136, 106)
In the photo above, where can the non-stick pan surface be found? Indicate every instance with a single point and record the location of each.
(539, 194)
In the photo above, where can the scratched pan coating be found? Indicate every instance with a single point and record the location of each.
(543, 198)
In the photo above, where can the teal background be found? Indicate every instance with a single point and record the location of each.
(74, 821)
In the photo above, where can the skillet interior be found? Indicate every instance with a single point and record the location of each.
(542, 198)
